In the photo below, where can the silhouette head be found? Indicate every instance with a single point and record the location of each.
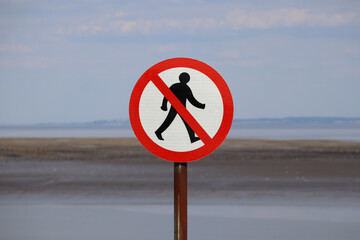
(184, 77)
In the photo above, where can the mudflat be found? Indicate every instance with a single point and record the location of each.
(120, 169)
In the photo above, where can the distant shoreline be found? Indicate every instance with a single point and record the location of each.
(286, 122)
(275, 133)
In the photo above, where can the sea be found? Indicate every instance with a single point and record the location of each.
(343, 134)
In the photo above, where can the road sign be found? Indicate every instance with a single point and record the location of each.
(181, 109)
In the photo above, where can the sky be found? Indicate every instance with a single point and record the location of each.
(78, 61)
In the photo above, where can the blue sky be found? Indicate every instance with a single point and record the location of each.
(74, 61)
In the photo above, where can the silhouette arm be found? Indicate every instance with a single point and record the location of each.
(195, 102)
(164, 104)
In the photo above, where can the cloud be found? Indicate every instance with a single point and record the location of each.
(287, 17)
(7, 63)
(13, 48)
(39, 62)
(232, 20)
(31, 62)
(121, 14)
(17, 1)
(144, 26)
(165, 48)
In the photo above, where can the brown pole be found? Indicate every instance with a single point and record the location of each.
(180, 201)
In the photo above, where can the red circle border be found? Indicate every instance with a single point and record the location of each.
(195, 154)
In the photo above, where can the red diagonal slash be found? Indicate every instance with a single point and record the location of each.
(180, 108)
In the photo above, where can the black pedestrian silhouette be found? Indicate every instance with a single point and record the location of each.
(183, 93)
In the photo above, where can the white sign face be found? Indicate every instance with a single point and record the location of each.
(176, 137)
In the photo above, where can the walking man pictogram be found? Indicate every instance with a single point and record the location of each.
(183, 92)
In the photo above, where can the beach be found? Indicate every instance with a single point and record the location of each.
(85, 188)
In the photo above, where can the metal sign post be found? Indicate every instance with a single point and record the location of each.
(180, 201)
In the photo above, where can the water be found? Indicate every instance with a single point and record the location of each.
(345, 134)
(210, 222)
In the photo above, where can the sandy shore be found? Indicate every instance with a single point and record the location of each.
(121, 170)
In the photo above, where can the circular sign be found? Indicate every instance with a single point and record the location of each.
(181, 109)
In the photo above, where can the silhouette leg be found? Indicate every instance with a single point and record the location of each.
(190, 132)
(168, 120)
